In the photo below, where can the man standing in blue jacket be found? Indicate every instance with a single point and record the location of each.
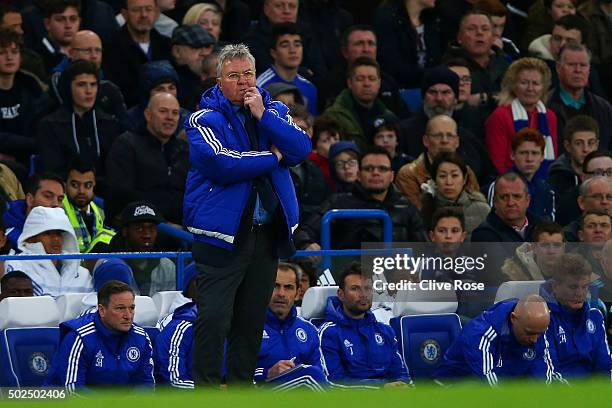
(506, 341)
(290, 354)
(104, 348)
(577, 331)
(356, 349)
(241, 208)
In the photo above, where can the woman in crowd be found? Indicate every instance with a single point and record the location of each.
(447, 189)
(520, 105)
(207, 15)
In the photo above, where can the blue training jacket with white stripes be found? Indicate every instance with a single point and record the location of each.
(91, 355)
(487, 349)
(223, 166)
(173, 348)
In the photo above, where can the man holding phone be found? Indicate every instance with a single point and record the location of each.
(241, 208)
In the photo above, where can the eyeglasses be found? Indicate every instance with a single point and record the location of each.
(340, 164)
(380, 169)
(600, 197)
(235, 76)
(90, 50)
(600, 172)
(440, 135)
(466, 79)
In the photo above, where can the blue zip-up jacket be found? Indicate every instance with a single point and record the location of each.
(173, 348)
(487, 349)
(223, 166)
(293, 337)
(579, 338)
(91, 355)
(359, 351)
(14, 218)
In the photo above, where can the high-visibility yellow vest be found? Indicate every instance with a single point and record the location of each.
(84, 238)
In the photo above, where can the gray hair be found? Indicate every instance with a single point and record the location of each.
(584, 188)
(576, 47)
(231, 52)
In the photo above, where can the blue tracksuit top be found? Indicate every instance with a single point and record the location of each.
(579, 338)
(90, 355)
(223, 166)
(293, 337)
(487, 349)
(359, 351)
(173, 348)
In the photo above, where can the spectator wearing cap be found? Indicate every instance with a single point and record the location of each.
(136, 43)
(343, 165)
(139, 221)
(288, 94)
(386, 135)
(440, 89)
(357, 106)
(521, 106)
(287, 53)
(190, 44)
(154, 77)
(86, 45)
(150, 164)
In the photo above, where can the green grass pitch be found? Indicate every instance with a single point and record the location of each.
(516, 395)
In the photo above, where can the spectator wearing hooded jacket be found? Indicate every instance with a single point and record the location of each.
(48, 231)
(86, 45)
(343, 165)
(356, 349)
(153, 78)
(576, 332)
(76, 130)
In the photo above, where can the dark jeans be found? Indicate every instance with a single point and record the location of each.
(232, 303)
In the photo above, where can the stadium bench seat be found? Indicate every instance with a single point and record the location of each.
(28, 339)
(70, 305)
(146, 314)
(423, 340)
(517, 289)
(163, 300)
(36, 311)
(315, 299)
(417, 302)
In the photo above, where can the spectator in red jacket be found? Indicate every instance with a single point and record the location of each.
(520, 106)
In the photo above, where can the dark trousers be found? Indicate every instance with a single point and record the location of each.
(232, 303)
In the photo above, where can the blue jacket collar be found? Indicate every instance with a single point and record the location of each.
(335, 312)
(273, 321)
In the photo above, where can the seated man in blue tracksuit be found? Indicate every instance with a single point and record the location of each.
(356, 349)
(290, 356)
(174, 347)
(104, 348)
(506, 341)
(576, 331)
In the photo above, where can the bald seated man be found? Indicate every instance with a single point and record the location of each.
(150, 164)
(86, 45)
(506, 341)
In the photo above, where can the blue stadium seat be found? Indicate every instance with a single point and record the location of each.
(423, 340)
(25, 355)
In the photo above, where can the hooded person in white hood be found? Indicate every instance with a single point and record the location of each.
(48, 231)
